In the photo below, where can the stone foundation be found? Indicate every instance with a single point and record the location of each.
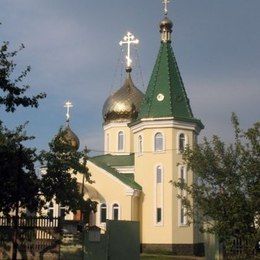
(174, 249)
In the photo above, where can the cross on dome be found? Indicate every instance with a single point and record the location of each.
(129, 39)
(68, 105)
(165, 2)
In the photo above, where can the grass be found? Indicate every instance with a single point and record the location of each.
(167, 257)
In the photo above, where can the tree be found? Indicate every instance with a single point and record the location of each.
(17, 172)
(61, 164)
(11, 93)
(225, 196)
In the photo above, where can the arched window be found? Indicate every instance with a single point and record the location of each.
(115, 211)
(181, 142)
(159, 174)
(158, 142)
(140, 144)
(182, 209)
(120, 141)
(103, 213)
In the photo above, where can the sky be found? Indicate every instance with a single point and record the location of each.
(72, 48)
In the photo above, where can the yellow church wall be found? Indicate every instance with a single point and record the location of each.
(169, 231)
(111, 132)
(108, 189)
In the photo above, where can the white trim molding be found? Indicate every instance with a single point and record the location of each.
(150, 123)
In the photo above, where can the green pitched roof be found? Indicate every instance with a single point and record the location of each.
(166, 95)
(107, 161)
(116, 160)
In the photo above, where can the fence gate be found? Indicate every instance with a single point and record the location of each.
(37, 237)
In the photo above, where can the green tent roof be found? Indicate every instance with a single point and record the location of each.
(107, 161)
(166, 95)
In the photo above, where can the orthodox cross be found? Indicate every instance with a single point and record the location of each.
(68, 105)
(166, 2)
(129, 39)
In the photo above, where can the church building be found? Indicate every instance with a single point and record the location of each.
(144, 137)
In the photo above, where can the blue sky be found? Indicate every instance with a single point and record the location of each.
(72, 47)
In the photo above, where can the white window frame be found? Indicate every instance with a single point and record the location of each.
(123, 141)
(178, 141)
(158, 224)
(140, 146)
(154, 142)
(100, 211)
(112, 210)
(185, 177)
(159, 167)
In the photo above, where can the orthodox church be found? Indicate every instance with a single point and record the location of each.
(144, 137)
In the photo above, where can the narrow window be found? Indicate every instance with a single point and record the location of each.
(181, 142)
(158, 142)
(158, 215)
(159, 174)
(183, 218)
(140, 144)
(120, 143)
(115, 211)
(103, 213)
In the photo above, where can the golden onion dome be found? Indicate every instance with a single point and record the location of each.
(124, 104)
(69, 137)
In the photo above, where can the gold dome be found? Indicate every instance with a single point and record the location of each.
(124, 104)
(69, 137)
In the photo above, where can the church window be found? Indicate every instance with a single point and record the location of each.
(120, 144)
(158, 215)
(182, 210)
(181, 142)
(115, 211)
(140, 144)
(158, 207)
(159, 174)
(158, 142)
(103, 213)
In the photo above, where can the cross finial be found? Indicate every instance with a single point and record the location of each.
(129, 39)
(68, 105)
(166, 2)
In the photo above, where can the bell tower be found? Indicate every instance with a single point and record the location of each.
(164, 126)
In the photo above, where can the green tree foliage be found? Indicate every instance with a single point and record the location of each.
(20, 184)
(60, 165)
(12, 94)
(225, 197)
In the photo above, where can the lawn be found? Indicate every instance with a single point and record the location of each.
(167, 257)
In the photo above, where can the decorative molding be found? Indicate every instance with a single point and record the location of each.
(116, 125)
(150, 123)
